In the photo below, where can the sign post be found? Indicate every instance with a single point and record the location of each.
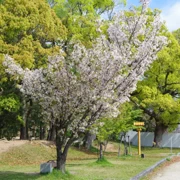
(139, 135)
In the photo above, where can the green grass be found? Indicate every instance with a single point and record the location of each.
(28, 154)
(102, 163)
(24, 163)
(10, 175)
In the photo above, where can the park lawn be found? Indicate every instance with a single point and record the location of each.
(23, 163)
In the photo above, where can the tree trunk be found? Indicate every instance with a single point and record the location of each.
(52, 133)
(100, 150)
(158, 133)
(23, 132)
(125, 146)
(41, 131)
(62, 149)
(27, 128)
(61, 159)
(88, 139)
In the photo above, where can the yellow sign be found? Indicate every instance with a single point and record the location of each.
(138, 123)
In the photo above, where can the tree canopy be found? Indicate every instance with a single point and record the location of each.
(30, 31)
(80, 17)
(26, 27)
(158, 92)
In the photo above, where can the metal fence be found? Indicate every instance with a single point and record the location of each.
(147, 138)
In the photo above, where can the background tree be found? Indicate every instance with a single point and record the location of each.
(80, 18)
(89, 84)
(158, 93)
(29, 32)
(111, 128)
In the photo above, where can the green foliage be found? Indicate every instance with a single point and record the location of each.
(80, 18)
(10, 121)
(29, 32)
(176, 34)
(25, 28)
(122, 123)
(158, 93)
(10, 103)
(126, 118)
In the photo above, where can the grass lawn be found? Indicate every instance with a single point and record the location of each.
(24, 163)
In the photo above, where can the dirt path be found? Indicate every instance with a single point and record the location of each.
(169, 172)
(6, 145)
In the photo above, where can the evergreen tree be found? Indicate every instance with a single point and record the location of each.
(30, 31)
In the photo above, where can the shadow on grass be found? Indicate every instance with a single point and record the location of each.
(11, 175)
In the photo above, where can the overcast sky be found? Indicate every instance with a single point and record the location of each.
(170, 11)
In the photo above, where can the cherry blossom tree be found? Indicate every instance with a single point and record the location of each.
(75, 90)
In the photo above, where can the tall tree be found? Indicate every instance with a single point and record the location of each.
(158, 93)
(29, 32)
(89, 84)
(80, 18)
(27, 29)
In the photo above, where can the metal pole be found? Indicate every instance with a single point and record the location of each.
(171, 145)
(139, 141)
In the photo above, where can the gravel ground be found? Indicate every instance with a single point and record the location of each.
(171, 171)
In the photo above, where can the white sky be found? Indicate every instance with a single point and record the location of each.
(171, 14)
